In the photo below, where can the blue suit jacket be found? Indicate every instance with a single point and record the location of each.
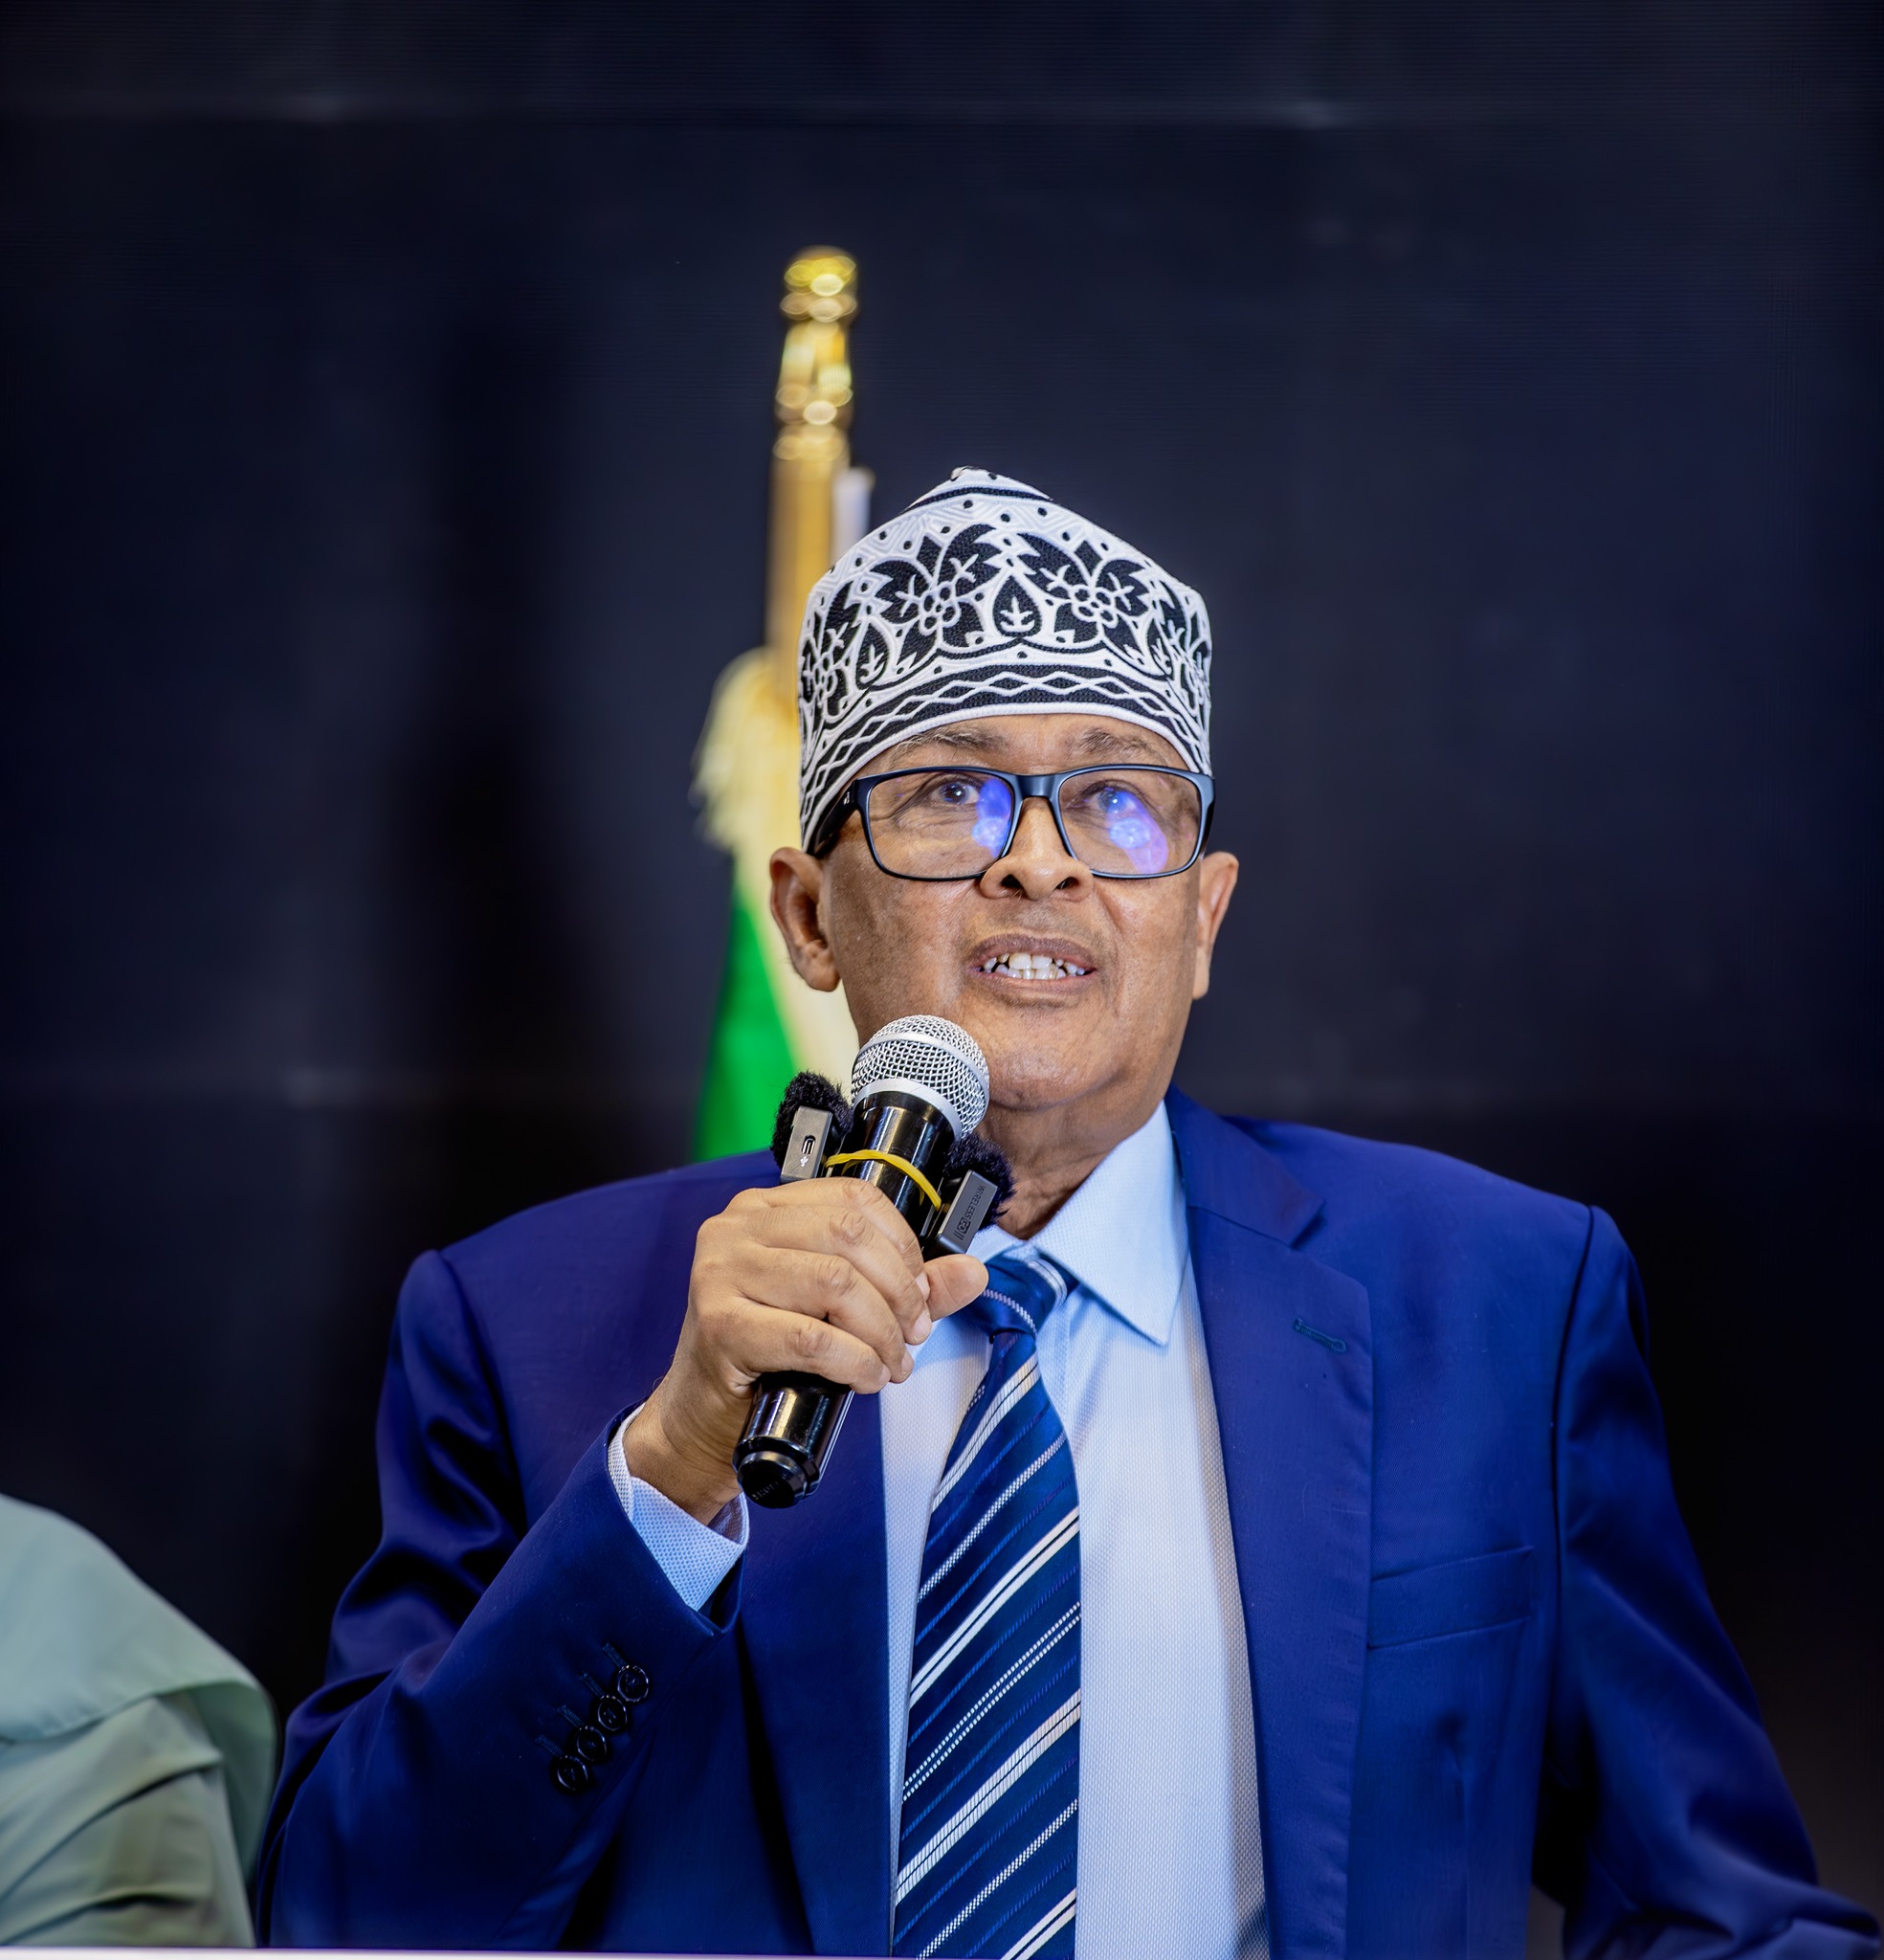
(1479, 1638)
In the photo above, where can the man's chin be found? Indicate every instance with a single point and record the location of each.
(1042, 1051)
(1034, 1016)
(1029, 1078)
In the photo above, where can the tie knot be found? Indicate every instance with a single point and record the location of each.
(1022, 1290)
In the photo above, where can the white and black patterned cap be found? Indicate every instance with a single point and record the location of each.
(986, 597)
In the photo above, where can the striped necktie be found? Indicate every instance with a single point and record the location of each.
(990, 1844)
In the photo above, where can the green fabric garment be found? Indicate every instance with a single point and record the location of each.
(119, 1834)
(136, 1756)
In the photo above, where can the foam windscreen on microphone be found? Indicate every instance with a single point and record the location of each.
(809, 1090)
(975, 1152)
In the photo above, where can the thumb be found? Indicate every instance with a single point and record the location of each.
(954, 1280)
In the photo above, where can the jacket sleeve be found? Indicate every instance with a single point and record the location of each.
(1665, 1825)
(435, 1793)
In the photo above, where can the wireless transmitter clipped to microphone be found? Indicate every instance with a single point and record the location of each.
(919, 1088)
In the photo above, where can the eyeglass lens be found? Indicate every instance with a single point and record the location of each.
(953, 823)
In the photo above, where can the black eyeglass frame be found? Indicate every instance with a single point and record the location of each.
(1024, 789)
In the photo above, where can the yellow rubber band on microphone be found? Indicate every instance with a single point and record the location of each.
(901, 1164)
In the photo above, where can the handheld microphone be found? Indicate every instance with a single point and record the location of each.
(919, 1088)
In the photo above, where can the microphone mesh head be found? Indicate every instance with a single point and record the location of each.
(931, 1055)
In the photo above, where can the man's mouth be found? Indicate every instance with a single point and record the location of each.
(1018, 965)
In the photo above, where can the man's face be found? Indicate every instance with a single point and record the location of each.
(1102, 1027)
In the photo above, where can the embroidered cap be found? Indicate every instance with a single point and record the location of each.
(986, 597)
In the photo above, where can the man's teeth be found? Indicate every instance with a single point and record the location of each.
(1032, 967)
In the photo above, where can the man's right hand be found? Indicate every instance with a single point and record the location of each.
(822, 1278)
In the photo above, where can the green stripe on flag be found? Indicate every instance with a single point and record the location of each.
(750, 1060)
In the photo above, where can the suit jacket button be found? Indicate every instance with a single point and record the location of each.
(610, 1714)
(590, 1744)
(571, 1775)
(631, 1684)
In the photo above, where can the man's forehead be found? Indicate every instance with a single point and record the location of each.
(1065, 738)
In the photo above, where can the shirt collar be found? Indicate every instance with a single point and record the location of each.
(1122, 1235)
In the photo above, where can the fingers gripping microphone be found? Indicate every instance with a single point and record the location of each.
(917, 1090)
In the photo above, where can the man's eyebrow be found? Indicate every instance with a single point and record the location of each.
(969, 738)
(966, 736)
(1124, 741)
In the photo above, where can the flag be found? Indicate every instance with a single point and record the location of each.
(768, 1024)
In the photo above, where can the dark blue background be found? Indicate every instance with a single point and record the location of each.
(384, 486)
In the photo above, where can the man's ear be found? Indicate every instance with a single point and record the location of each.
(797, 897)
(1217, 879)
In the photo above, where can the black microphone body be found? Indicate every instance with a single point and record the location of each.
(898, 1140)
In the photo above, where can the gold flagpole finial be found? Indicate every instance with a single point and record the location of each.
(812, 452)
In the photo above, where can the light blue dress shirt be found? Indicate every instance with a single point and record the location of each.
(1170, 1847)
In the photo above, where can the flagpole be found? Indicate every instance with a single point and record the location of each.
(768, 1022)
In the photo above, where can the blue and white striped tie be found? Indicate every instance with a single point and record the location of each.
(990, 1806)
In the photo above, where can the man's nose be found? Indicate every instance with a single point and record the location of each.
(1037, 863)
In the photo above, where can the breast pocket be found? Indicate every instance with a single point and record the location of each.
(1458, 1597)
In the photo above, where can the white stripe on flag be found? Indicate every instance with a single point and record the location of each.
(1057, 1540)
(988, 1794)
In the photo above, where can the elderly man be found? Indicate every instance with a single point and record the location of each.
(1264, 1543)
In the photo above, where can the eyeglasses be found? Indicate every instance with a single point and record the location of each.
(939, 824)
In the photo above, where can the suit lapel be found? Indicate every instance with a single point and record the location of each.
(1296, 1416)
(812, 1611)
